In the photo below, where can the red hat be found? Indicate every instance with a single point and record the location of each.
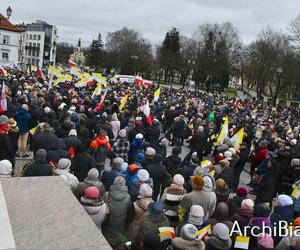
(91, 193)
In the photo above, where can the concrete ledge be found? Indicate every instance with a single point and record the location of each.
(7, 241)
(44, 214)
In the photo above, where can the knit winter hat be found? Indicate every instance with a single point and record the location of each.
(221, 231)
(120, 181)
(122, 133)
(178, 180)
(242, 192)
(92, 192)
(295, 162)
(284, 200)
(150, 152)
(145, 191)
(117, 163)
(293, 141)
(40, 155)
(265, 241)
(143, 175)
(151, 240)
(155, 208)
(93, 174)
(247, 204)
(139, 157)
(47, 110)
(261, 210)
(3, 119)
(73, 132)
(5, 168)
(196, 215)
(139, 137)
(188, 232)
(232, 151)
(64, 164)
(228, 155)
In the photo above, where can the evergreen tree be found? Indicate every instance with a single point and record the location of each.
(170, 54)
(95, 52)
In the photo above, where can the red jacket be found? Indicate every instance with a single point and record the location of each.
(258, 157)
(100, 140)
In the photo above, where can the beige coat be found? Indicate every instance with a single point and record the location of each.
(141, 212)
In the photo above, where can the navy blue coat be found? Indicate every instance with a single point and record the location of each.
(24, 120)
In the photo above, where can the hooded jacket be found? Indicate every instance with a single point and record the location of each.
(179, 243)
(58, 152)
(95, 209)
(24, 120)
(215, 243)
(45, 140)
(221, 215)
(141, 212)
(119, 204)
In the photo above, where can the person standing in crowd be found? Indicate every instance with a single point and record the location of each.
(7, 150)
(46, 139)
(24, 121)
(121, 212)
(173, 162)
(121, 146)
(156, 170)
(108, 177)
(99, 149)
(94, 205)
(40, 167)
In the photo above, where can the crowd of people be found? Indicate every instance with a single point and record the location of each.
(119, 166)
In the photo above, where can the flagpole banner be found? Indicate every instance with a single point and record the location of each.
(123, 102)
(223, 134)
(237, 138)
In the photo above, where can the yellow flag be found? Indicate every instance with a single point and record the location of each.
(156, 94)
(33, 68)
(97, 90)
(237, 138)
(123, 102)
(224, 132)
(58, 80)
(56, 72)
(32, 131)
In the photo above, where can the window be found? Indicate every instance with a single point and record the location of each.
(30, 44)
(29, 52)
(27, 36)
(38, 45)
(33, 53)
(26, 52)
(29, 60)
(5, 39)
(37, 61)
(39, 37)
(4, 56)
(34, 37)
(38, 54)
(33, 44)
(30, 36)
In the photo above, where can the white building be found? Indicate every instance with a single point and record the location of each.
(38, 44)
(10, 37)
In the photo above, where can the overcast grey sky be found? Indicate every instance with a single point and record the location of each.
(152, 18)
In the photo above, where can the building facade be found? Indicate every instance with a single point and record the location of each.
(39, 41)
(10, 42)
(78, 55)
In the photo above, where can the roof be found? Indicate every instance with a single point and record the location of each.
(7, 25)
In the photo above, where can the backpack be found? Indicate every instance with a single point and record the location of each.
(101, 153)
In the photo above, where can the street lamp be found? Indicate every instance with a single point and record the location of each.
(8, 12)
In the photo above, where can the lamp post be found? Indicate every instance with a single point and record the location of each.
(279, 72)
(133, 57)
(8, 12)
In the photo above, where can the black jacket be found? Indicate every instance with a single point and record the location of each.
(152, 135)
(157, 172)
(172, 163)
(45, 140)
(7, 151)
(81, 164)
(38, 169)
